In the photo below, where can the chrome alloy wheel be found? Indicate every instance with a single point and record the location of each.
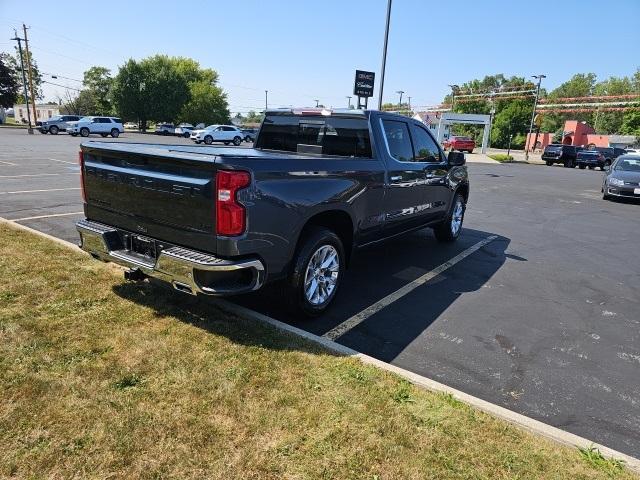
(321, 276)
(456, 217)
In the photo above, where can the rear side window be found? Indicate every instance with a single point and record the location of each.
(117, 120)
(398, 140)
(339, 136)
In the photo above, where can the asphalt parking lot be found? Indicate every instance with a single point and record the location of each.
(536, 308)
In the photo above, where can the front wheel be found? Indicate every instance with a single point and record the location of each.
(115, 133)
(318, 268)
(53, 130)
(247, 139)
(104, 135)
(208, 139)
(549, 163)
(449, 229)
(581, 167)
(186, 134)
(84, 132)
(237, 141)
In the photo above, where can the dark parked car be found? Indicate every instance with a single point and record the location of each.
(610, 153)
(317, 186)
(564, 154)
(591, 159)
(622, 178)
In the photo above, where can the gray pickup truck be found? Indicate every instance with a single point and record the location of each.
(317, 186)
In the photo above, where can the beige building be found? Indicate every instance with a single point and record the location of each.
(43, 112)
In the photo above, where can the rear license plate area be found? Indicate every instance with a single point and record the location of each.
(143, 246)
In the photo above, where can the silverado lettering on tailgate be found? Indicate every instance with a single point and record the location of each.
(143, 182)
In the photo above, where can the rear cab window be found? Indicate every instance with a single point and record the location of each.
(322, 135)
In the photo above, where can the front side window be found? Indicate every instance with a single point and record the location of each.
(425, 146)
(398, 140)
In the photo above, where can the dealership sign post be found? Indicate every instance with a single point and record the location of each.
(363, 87)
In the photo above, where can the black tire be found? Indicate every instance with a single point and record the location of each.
(227, 143)
(104, 135)
(312, 241)
(74, 134)
(591, 167)
(44, 132)
(606, 197)
(247, 139)
(445, 231)
(84, 132)
(567, 164)
(186, 134)
(115, 133)
(237, 141)
(53, 130)
(549, 163)
(582, 167)
(208, 139)
(607, 163)
(198, 142)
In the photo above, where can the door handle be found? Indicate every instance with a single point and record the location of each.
(396, 178)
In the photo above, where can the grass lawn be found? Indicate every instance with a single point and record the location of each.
(101, 379)
(501, 157)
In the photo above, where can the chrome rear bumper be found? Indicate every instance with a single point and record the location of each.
(187, 270)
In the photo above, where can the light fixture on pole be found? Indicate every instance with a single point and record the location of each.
(317, 101)
(533, 115)
(384, 54)
(400, 92)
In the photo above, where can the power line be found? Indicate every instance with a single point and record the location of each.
(63, 86)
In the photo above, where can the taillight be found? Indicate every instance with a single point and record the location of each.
(81, 163)
(230, 215)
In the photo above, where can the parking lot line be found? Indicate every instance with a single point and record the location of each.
(62, 161)
(358, 318)
(38, 191)
(39, 175)
(46, 216)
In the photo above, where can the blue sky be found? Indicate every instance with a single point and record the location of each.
(303, 50)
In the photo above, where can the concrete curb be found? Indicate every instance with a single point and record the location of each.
(522, 421)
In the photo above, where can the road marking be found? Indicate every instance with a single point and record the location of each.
(62, 161)
(39, 175)
(46, 216)
(8, 163)
(358, 318)
(37, 191)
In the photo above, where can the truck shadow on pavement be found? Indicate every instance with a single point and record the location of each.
(381, 270)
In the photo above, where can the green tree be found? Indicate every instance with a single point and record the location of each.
(151, 89)
(631, 124)
(97, 84)
(253, 117)
(13, 62)
(9, 84)
(207, 104)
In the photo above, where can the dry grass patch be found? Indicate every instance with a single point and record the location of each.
(101, 379)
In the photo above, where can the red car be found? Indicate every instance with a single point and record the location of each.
(463, 144)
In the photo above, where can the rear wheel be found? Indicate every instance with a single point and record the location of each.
(53, 130)
(449, 229)
(84, 132)
(208, 139)
(247, 139)
(115, 133)
(581, 167)
(591, 167)
(549, 163)
(104, 135)
(237, 141)
(318, 268)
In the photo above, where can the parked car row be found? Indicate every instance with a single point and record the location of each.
(84, 126)
(218, 133)
(572, 156)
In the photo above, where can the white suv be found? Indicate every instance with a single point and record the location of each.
(105, 126)
(218, 133)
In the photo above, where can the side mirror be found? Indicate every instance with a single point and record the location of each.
(456, 159)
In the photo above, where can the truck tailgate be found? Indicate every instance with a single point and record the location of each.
(159, 191)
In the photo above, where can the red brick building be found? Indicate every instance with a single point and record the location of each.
(575, 133)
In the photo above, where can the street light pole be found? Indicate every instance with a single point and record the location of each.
(317, 101)
(349, 98)
(409, 103)
(533, 114)
(384, 54)
(24, 81)
(266, 100)
(400, 92)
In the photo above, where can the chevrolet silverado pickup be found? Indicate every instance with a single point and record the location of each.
(318, 186)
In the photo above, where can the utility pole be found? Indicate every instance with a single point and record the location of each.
(266, 100)
(409, 103)
(453, 96)
(317, 101)
(349, 99)
(384, 54)
(533, 114)
(33, 97)
(24, 80)
(400, 92)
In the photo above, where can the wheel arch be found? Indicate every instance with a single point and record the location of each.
(336, 220)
